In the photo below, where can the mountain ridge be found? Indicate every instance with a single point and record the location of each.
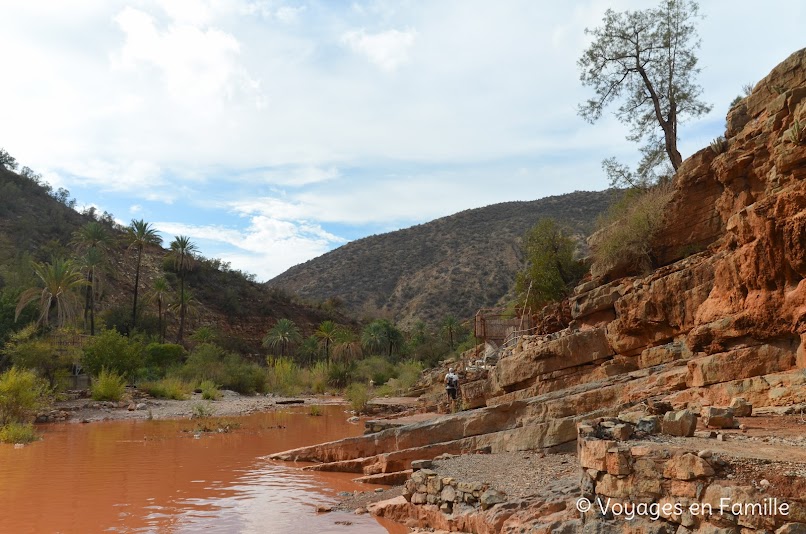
(452, 265)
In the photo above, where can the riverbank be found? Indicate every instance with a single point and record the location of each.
(136, 405)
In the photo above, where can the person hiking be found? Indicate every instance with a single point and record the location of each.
(451, 386)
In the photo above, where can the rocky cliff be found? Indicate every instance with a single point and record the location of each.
(726, 325)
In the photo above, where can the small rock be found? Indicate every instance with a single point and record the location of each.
(490, 498)
(378, 490)
(421, 464)
(705, 453)
(322, 509)
(360, 511)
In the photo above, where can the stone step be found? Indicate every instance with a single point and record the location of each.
(395, 478)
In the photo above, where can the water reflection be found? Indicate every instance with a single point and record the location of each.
(155, 476)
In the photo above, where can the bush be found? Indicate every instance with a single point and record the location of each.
(210, 362)
(358, 396)
(339, 374)
(551, 270)
(318, 377)
(167, 388)
(18, 433)
(624, 241)
(114, 352)
(108, 386)
(284, 376)
(164, 355)
(201, 410)
(25, 350)
(22, 394)
(209, 390)
(375, 368)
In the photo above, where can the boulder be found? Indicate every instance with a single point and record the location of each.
(713, 417)
(680, 423)
(740, 407)
(490, 498)
(687, 467)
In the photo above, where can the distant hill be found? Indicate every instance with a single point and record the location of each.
(449, 266)
(37, 223)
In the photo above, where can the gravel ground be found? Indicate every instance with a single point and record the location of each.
(518, 474)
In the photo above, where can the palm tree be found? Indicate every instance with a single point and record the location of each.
(182, 252)
(92, 240)
(450, 326)
(60, 280)
(159, 294)
(381, 335)
(327, 333)
(92, 262)
(184, 304)
(140, 234)
(308, 350)
(373, 337)
(347, 346)
(282, 334)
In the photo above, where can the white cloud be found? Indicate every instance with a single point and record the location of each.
(288, 14)
(388, 49)
(293, 176)
(197, 65)
(266, 247)
(201, 103)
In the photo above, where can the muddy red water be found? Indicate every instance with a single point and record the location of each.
(165, 476)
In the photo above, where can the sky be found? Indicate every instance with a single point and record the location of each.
(271, 132)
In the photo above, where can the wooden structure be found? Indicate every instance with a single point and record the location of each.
(494, 325)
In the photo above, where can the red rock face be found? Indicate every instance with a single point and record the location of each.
(748, 207)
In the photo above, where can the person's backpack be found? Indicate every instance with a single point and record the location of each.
(453, 382)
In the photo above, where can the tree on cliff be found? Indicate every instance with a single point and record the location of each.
(551, 270)
(645, 60)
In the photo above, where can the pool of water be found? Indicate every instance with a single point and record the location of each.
(166, 476)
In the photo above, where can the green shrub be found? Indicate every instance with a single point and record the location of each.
(284, 376)
(315, 410)
(210, 362)
(318, 377)
(108, 386)
(201, 410)
(552, 270)
(339, 374)
(358, 396)
(246, 378)
(409, 373)
(625, 238)
(114, 352)
(18, 433)
(167, 388)
(210, 390)
(164, 355)
(40, 356)
(375, 368)
(719, 145)
(22, 394)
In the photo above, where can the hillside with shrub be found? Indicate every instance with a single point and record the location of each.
(38, 224)
(447, 267)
